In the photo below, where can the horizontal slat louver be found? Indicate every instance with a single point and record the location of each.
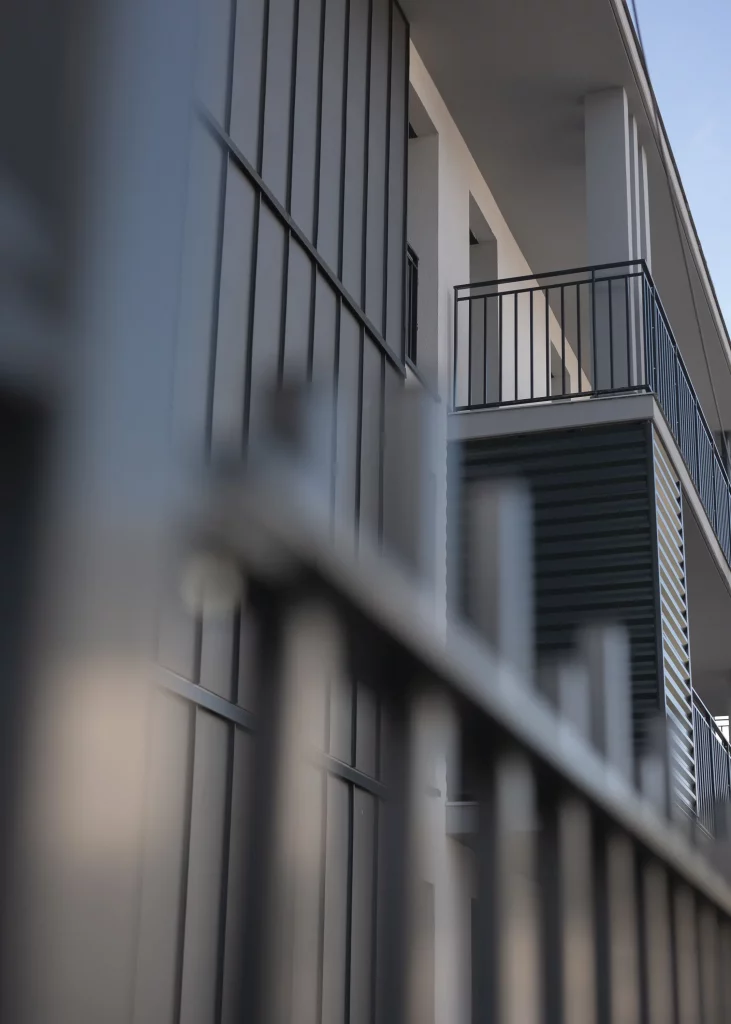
(674, 618)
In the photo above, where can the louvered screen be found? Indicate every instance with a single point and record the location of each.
(674, 618)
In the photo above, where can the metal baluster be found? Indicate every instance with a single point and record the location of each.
(469, 352)
(595, 382)
(515, 327)
(500, 345)
(676, 416)
(484, 350)
(658, 951)
(627, 327)
(578, 332)
(532, 395)
(563, 344)
(686, 942)
(548, 350)
(455, 330)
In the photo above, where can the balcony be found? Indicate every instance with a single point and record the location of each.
(581, 334)
(713, 768)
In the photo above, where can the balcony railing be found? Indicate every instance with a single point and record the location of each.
(580, 334)
(713, 767)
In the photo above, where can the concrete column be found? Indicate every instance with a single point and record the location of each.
(608, 195)
(617, 219)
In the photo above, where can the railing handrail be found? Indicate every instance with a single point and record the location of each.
(555, 273)
(543, 287)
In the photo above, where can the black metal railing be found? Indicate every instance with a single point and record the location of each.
(412, 304)
(578, 334)
(713, 766)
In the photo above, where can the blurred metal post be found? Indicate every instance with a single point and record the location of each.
(687, 955)
(520, 994)
(657, 936)
(605, 650)
(499, 580)
(565, 682)
(653, 769)
(312, 657)
(623, 960)
(409, 486)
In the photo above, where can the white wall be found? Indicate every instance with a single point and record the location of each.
(458, 178)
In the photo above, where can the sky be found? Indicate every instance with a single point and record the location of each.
(687, 46)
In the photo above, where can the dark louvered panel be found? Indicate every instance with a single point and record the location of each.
(674, 613)
(594, 537)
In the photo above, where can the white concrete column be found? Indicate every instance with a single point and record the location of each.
(608, 194)
(618, 230)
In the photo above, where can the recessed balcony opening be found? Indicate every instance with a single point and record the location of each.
(422, 253)
(709, 605)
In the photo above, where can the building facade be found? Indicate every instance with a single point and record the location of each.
(463, 227)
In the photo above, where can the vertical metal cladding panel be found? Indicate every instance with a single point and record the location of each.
(674, 619)
(298, 197)
(594, 538)
(293, 267)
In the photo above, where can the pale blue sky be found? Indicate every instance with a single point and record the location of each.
(688, 44)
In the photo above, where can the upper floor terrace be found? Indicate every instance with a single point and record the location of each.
(587, 333)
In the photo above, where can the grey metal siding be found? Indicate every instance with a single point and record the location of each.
(594, 537)
(293, 267)
(295, 243)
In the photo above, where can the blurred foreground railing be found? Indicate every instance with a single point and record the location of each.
(591, 903)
